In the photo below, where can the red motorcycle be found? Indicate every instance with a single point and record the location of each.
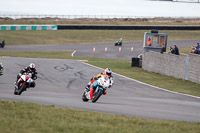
(24, 82)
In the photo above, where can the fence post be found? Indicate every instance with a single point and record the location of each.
(186, 67)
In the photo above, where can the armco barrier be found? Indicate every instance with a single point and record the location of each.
(179, 66)
(94, 27)
(118, 27)
(28, 27)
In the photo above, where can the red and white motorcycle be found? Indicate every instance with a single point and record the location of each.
(24, 82)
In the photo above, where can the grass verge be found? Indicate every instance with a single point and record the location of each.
(33, 118)
(55, 54)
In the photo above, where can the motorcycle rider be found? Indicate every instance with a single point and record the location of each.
(94, 85)
(1, 68)
(118, 42)
(107, 72)
(30, 69)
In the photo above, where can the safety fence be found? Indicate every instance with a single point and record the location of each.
(116, 27)
(47, 16)
(94, 27)
(189, 1)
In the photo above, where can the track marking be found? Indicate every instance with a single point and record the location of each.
(73, 53)
(146, 83)
(5, 56)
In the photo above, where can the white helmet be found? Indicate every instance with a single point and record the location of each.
(108, 71)
(32, 66)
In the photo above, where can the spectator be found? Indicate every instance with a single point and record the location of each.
(149, 42)
(174, 50)
(163, 49)
(196, 49)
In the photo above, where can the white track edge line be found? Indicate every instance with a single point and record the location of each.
(146, 83)
(73, 53)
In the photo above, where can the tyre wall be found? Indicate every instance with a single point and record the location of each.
(28, 27)
(120, 27)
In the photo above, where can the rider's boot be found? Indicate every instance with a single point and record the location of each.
(17, 84)
(88, 86)
(16, 87)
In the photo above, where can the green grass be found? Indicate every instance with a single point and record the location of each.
(183, 50)
(19, 117)
(85, 36)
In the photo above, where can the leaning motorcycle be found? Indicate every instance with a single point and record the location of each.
(1, 69)
(103, 84)
(2, 44)
(118, 43)
(25, 82)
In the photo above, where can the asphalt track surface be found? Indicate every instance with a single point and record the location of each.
(61, 83)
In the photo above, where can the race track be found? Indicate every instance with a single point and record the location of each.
(61, 83)
(86, 50)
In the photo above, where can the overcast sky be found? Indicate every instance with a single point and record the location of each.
(101, 7)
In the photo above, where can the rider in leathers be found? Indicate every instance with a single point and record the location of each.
(107, 72)
(30, 69)
(1, 68)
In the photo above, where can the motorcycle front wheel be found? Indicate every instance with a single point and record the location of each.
(21, 89)
(97, 95)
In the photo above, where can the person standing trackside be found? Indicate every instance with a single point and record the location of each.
(149, 42)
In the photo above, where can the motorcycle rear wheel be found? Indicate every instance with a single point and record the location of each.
(84, 97)
(16, 91)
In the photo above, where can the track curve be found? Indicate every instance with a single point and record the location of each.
(61, 83)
